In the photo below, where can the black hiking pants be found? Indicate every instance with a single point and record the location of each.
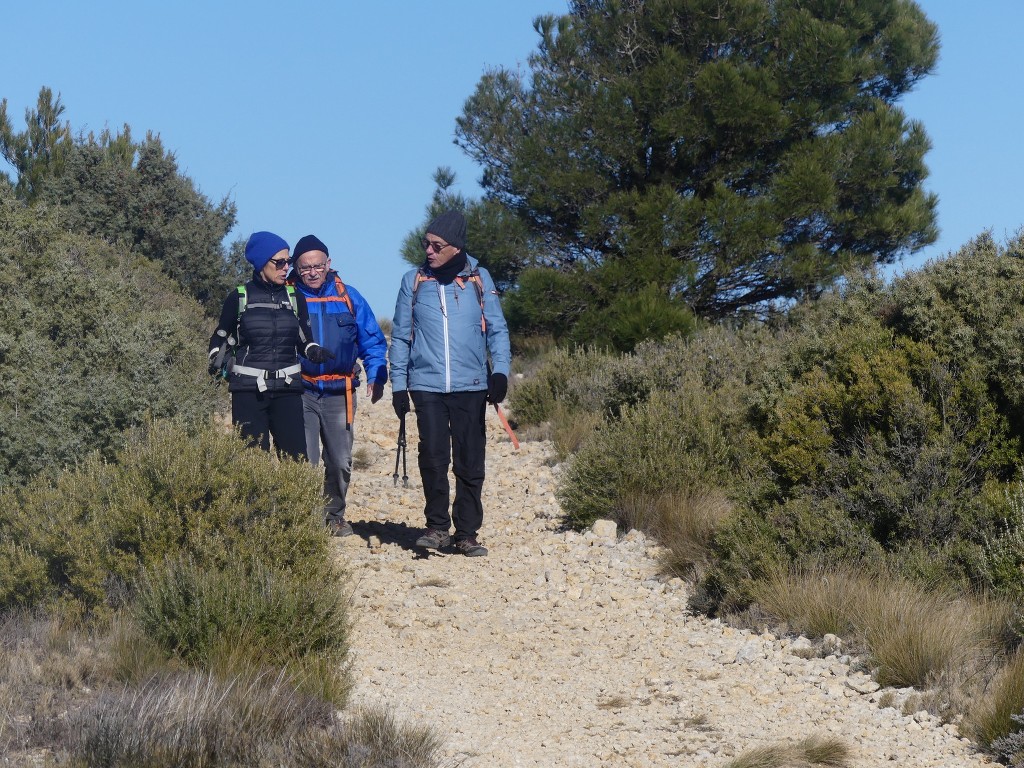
(452, 431)
(262, 414)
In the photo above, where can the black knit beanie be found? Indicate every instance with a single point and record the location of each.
(309, 243)
(450, 226)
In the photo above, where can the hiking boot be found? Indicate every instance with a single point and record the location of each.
(340, 527)
(471, 547)
(434, 539)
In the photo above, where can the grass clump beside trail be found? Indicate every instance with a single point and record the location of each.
(807, 753)
(877, 429)
(180, 604)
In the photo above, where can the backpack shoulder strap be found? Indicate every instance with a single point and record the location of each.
(343, 294)
(292, 300)
(474, 278)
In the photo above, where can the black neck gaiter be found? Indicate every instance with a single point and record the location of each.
(446, 273)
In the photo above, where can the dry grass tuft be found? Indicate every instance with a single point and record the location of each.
(570, 428)
(990, 718)
(684, 523)
(814, 602)
(617, 701)
(362, 458)
(920, 637)
(196, 719)
(912, 635)
(701, 722)
(434, 581)
(812, 751)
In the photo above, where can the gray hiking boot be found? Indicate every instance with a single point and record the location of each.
(434, 539)
(471, 547)
(339, 528)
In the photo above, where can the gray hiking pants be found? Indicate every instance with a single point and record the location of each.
(324, 419)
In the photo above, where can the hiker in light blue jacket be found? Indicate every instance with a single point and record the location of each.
(447, 321)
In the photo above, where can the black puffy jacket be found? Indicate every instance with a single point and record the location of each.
(269, 339)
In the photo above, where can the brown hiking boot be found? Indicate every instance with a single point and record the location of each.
(434, 539)
(471, 547)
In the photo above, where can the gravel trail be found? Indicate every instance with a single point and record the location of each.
(569, 649)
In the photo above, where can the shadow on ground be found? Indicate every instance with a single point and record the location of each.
(400, 534)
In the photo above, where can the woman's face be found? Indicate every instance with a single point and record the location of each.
(276, 270)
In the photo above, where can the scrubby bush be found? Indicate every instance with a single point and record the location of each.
(967, 307)
(94, 341)
(660, 446)
(1003, 561)
(876, 425)
(168, 492)
(249, 615)
(582, 380)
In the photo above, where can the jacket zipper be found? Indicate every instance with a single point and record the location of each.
(444, 325)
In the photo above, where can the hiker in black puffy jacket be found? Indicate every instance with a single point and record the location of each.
(265, 326)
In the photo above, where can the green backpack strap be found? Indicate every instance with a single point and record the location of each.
(291, 298)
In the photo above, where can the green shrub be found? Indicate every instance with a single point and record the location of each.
(170, 491)
(967, 307)
(753, 547)
(249, 614)
(1003, 563)
(581, 380)
(664, 445)
(94, 341)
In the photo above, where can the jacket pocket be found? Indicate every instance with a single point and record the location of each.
(347, 337)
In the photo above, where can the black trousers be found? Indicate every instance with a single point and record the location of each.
(452, 431)
(262, 414)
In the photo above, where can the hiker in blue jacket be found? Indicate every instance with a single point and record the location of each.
(343, 323)
(262, 331)
(447, 321)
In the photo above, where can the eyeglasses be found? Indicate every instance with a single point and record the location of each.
(434, 245)
(279, 263)
(311, 268)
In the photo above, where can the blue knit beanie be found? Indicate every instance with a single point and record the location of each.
(261, 248)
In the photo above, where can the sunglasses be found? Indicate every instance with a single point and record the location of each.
(434, 245)
(279, 263)
(312, 268)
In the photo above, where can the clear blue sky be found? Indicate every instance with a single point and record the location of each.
(330, 117)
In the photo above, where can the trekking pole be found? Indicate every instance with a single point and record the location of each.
(400, 454)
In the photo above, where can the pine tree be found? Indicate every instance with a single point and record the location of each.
(719, 156)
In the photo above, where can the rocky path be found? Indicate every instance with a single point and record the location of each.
(568, 649)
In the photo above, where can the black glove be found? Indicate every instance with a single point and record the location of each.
(317, 354)
(213, 368)
(497, 388)
(400, 402)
